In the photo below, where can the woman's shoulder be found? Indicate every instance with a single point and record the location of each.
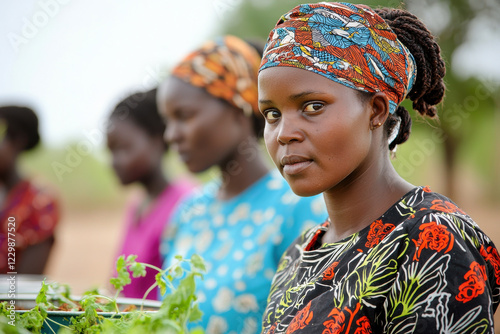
(178, 190)
(436, 202)
(425, 208)
(35, 201)
(201, 193)
(39, 193)
(183, 185)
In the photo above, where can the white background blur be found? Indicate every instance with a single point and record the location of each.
(73, 60)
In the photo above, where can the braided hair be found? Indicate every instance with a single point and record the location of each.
(22, 125)
(428, 88)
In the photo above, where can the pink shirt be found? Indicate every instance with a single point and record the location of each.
(143, 238)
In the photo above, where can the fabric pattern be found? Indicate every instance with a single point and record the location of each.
(226, 68)
(143, 238)
(36, 213)
(349, 44)
(422, 267)
(241, 241)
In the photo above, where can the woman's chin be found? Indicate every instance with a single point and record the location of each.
(303, 188)
(197, 168)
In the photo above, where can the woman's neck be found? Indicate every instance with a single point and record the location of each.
(7, 182)
(10, 179)
(241, 170)
(155, 183)
(356, 204)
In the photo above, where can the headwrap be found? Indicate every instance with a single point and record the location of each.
(349, 44)
(226, 68)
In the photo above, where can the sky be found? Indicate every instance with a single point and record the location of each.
(73, 60)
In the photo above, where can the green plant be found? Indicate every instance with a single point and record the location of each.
(177, 310)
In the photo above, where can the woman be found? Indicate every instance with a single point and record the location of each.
(135, 139)
(31, 210)
(243, 221)
(391, 257)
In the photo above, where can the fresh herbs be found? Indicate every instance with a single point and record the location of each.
(177, 310)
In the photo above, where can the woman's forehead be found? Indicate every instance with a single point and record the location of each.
(294, 82)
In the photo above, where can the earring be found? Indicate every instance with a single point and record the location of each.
(373, 127)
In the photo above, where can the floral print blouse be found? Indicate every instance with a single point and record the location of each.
(422, 267)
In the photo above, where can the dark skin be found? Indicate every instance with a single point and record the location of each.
(32, 259)
(137, 157)
(325, 138)
(207, 132)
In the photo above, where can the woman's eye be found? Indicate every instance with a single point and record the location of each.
(185, 115)
(272, 115)
(313, 107)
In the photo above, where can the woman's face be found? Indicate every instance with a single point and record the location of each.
(204, 130)
(135, 153)
(317, 131)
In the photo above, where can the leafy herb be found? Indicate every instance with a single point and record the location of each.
(178, 309)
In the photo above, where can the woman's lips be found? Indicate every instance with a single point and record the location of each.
(295, 164)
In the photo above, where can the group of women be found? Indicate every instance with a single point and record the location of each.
(374, 253)
(386, 256)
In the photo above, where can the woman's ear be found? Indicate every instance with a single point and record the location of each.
(380, 109)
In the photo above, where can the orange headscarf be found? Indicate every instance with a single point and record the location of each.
(226, 68)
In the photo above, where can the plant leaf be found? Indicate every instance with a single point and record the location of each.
(161, 283)
(198, 262)
(138, 269)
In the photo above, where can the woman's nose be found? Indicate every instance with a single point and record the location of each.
(172, 132)
(289, 130)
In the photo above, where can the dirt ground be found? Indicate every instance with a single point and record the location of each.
(85, 248)
(84, 253)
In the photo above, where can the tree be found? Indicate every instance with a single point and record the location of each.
(465, 127)
(469, 100)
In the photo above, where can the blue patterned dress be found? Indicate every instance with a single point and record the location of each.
(241, 240)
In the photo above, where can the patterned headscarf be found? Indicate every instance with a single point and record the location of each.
(226, 68)
(349, 44)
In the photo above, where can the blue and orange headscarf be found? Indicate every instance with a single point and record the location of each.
(226, 68)
(349, 44)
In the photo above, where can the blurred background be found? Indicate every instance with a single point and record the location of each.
(72, 61)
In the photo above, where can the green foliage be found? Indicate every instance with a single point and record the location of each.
(84, 181)
(255, 19)
(32, 320)
(7, 325)
(80, 179)
(467, 116)
(178, 309)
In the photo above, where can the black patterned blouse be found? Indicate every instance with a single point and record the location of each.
(422, 267)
